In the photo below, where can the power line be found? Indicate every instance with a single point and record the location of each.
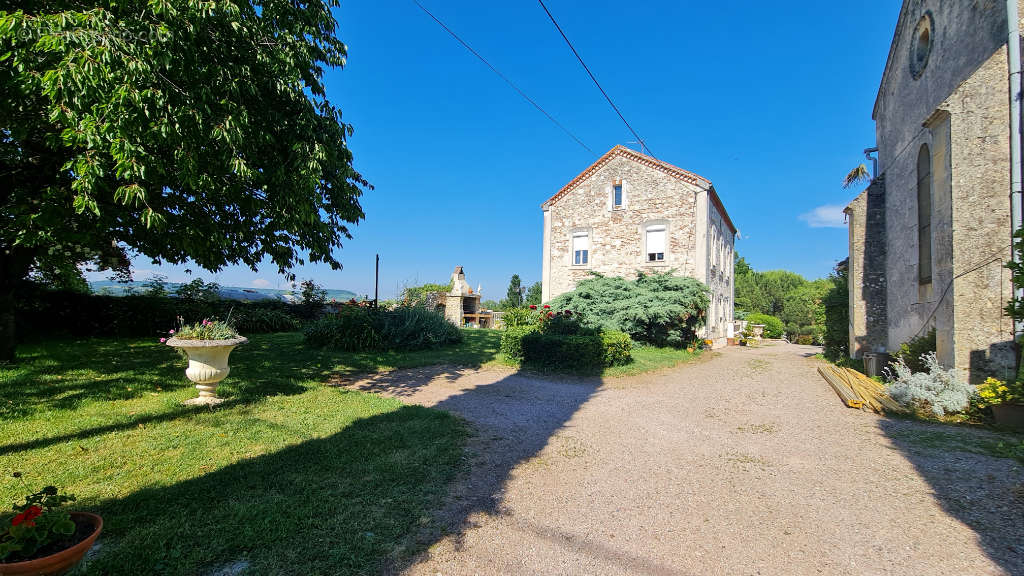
(643, 145)
(503, 77)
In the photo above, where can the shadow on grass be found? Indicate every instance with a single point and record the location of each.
(984, 492)
(363, 500)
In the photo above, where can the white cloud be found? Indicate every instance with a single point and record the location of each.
(260, 283)
(827, 216)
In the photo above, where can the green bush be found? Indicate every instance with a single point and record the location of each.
(262, 321)
(773, 327)
(512, 340)
(660, 309)
(351, 329)
(575, 353)
(618, 348)
(912, 350)
(358, 328)
(563, 323)
(519, 317)
(836, 337)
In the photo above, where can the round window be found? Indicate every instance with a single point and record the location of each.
(921, 44)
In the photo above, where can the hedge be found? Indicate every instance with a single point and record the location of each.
(49, 313)
(576, 352)
(512, 340)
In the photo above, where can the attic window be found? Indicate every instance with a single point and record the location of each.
(617, 195)
(921, 45)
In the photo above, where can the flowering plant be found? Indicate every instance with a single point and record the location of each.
(205, 330)
(35, 524)
(993, 391)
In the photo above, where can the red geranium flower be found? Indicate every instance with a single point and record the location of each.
(30, 514)
(533, 306)
(546, 306)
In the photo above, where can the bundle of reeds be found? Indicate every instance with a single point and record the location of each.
(858, 391)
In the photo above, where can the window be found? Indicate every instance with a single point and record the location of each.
(924, 215)
(921, 45)
(580, 248)
(655, 243)
(617, 195)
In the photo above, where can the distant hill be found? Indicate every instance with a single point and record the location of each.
(226, 292)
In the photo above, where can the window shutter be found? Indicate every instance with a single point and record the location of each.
(580, 241)
(655, 239)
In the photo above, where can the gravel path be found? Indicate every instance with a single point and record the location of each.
(742, 463)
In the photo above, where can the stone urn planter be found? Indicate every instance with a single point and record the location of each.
(63, 561)
(756, 330)
(1009, 415)
(207, 365)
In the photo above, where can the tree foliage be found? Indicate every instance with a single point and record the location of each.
(534, 294)
(788, 296)
(514, 295)
(192, 130)
(660, 309)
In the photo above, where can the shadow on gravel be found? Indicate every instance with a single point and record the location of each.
(971, 483)
(513, 420)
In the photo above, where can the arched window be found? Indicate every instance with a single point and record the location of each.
(924, 215)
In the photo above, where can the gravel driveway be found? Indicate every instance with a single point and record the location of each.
(744, 462)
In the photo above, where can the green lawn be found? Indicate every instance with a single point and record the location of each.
(287, 475)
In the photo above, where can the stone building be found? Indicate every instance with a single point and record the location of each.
(930, 234)
(462, 304)
(629, 212)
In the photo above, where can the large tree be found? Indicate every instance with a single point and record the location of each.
(192, 130)
(514, 295)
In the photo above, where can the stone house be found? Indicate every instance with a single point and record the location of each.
(929, 236)
(630, 212)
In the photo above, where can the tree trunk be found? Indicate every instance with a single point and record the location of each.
(14, 266)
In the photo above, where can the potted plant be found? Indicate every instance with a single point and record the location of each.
(41, 538)
(207, 345)
(1006, 400)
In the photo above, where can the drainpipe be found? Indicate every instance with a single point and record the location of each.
(1013, 53)
(874, 160)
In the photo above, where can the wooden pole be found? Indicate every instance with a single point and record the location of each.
(376, 281)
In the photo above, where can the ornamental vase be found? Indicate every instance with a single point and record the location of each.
(207, 365)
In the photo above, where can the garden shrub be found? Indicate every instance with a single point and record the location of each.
(659, 309)
(519, 317)
(618, 348)
(351, 330)
(359, 328)
(512, 340)
(563, 323)
(935, 389)
(913, 351)
(773, 327)
(578, 353)
(263, 321)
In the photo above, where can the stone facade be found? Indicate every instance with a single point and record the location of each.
(699, 237)
(943, 100)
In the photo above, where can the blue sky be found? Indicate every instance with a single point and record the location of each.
(770, 101)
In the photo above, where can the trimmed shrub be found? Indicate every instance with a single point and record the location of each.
(512, 340)
(913, 351)
(836, 338)
(563, 323)
(618, 348)
(659, 309)
(358, 328)
(937, 389)
(262, 321)
(773, 327)
(577, 353)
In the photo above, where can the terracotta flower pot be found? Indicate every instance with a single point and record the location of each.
(62, 562)
(1009, 415)
(207, 365)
